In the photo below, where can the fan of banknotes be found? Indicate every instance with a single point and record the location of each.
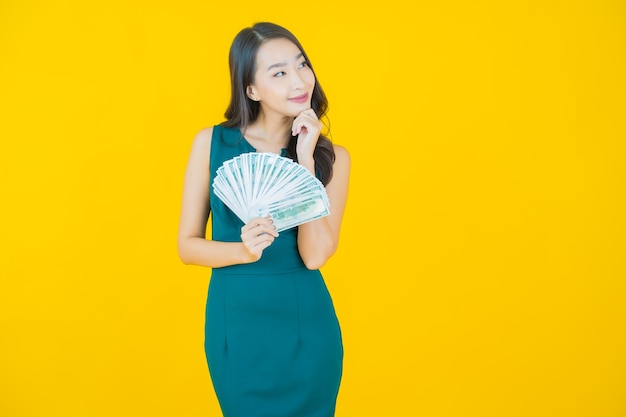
(256, 184)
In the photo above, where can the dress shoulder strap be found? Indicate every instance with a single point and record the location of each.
(216, 148)
(226, 143)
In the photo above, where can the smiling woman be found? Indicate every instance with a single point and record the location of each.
(273, 342)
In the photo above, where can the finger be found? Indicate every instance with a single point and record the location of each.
(254, 236)
(303, 125)
(295, 128)
(254, 233)
(308, 113)
(251, 230)
(263, 240)
(263, 220)
(302, 119)
(262, 224)
(258, 243)
(310, 122)
(257, 251)
(257, 221)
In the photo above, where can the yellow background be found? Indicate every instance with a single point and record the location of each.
(482, 261)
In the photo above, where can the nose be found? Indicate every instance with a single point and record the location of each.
(297, 83)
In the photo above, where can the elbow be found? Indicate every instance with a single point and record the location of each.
(313, 264)
(318, 259)
(183, 257)
(183, 253)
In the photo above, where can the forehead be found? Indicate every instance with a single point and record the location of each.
(275, 51)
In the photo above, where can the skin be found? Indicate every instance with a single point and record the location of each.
(282, 75)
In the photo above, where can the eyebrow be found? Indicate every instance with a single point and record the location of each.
(282, 64)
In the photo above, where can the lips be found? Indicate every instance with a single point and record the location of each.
(300, 99)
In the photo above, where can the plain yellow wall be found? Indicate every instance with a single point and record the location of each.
(482, 262)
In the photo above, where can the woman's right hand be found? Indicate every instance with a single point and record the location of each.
(256, 235)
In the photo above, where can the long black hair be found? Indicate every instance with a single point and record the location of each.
(242, 110)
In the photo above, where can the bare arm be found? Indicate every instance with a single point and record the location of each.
(193, 247)
(318, 239)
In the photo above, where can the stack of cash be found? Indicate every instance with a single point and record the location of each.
(256, 184)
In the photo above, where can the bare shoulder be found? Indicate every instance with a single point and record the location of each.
(201, 146)
(342, 155)
(203, 137)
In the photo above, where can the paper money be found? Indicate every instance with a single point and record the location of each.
(257, 184)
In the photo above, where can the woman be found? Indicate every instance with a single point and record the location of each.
(273, 342)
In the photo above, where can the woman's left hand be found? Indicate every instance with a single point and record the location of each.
(308, 127)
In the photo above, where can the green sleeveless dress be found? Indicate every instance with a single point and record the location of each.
(272, 339)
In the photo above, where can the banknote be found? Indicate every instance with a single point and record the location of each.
(257, 184)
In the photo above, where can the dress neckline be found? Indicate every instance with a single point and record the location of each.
(283, 151)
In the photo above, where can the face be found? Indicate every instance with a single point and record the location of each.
(283, 82)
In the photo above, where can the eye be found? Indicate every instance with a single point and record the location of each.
(303, 64)
(279, 74)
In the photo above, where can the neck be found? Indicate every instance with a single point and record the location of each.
(270, 131)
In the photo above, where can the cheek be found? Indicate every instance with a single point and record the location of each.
(310, 77)
(266, 89)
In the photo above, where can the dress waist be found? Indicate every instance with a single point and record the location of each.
(251, 269)
(281, 257)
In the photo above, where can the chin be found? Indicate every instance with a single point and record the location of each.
(299, 108)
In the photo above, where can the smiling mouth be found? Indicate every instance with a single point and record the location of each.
(300, 99)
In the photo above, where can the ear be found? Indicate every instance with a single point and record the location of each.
(251, 93)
